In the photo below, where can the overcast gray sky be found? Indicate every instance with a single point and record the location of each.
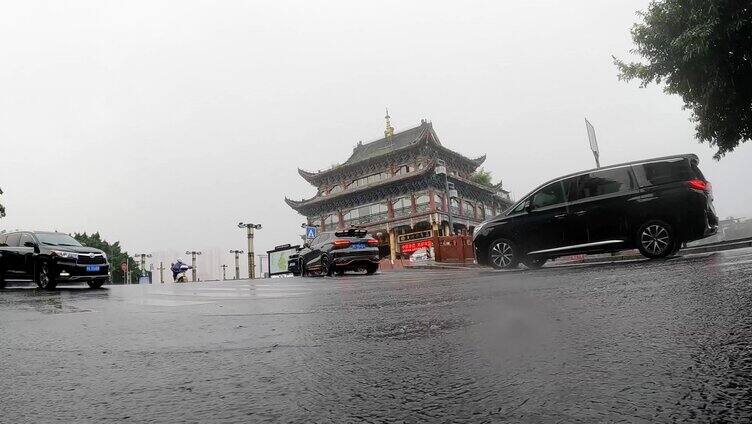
(162, 124)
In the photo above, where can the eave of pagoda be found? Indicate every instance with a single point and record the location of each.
(396, 186)
(427, 140)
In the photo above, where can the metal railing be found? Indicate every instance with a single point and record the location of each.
(366, 219)
(402, 212)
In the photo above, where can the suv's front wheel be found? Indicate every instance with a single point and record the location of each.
(502, 254)
(45, 279)
(656, 239)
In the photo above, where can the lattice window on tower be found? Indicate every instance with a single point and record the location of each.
(331, 221)
(403, 206)
(422, 202)
(439, 201)
(469, 209)
(455, 208)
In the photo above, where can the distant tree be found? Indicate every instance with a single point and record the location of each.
(114, 252)
(702, 50)
(481, 176)
(2, 208)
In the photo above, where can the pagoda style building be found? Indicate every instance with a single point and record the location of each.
(390, 187)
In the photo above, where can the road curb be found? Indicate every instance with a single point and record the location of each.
(718, 248)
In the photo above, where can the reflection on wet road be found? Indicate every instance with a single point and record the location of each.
(639, 341)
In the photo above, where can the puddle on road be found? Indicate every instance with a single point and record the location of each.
(63, 300)
(168, 302)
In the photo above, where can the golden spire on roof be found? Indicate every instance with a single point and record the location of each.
(389, 132)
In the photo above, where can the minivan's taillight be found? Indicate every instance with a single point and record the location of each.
(698, 184)
(341, 243)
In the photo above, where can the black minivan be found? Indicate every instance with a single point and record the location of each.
(653, 205)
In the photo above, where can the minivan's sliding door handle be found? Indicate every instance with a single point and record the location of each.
(560, 216)
(580, 213)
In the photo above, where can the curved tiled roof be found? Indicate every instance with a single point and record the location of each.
(383, 146)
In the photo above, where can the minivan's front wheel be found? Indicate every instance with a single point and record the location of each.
(502, 254)
(656, 239)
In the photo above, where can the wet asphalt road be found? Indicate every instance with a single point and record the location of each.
(636, 341)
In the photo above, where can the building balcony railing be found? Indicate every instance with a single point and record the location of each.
(455, 210)
(366, 219)
(422, 208)
(403, 212)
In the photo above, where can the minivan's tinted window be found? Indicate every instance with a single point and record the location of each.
(518, 209)
(655, 173)
(603, 182)
(549, 195)
(13, 240)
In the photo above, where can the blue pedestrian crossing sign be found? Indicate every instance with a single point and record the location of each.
(310, 233)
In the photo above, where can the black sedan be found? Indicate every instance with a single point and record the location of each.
(49, 259)
(337, 252)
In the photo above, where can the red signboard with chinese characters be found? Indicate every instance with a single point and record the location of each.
(412, 246)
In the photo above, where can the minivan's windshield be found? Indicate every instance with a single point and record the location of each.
(57, 239)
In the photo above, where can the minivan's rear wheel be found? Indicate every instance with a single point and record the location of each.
(45, 280)
(656, 239)
(502, 254)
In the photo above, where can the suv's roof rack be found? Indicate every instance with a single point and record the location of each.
(352, 232)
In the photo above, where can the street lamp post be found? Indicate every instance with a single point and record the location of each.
(224, 272)
(193, 254)
(449, 191)
(251, 264)
(237, 262)
(161, 272)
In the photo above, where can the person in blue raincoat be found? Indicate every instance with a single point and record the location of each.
(178, 268)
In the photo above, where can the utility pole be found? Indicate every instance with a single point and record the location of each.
(251, 264)
(161, 272)
(142, 261)
(224, 272)
(193, 254)
(237, 262)
(449, 192)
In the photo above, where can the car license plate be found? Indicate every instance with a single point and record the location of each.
(92, 268)
(359, 246)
